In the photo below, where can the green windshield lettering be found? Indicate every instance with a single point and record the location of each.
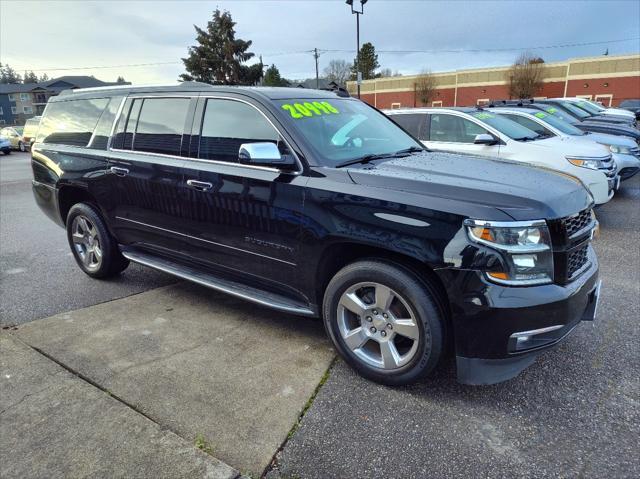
(540, 114)
(483, 116)
(551, 110)
(309, 109)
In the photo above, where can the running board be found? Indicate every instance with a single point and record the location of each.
(209, 280)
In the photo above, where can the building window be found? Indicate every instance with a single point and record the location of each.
(14, 110)
(28, 110)
(12, 97)
(24, 96)
(436, 103)
(483, 101)
(395, 106)
(604, 99)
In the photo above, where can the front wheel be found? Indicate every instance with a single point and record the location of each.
(6, 152)
(21, 147)
(93, 247)
(384, 322)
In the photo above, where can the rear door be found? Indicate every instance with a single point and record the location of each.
(449, 132)
(241, 218)
(145, 162)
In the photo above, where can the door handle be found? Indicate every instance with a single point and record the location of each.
(199, 185)
(119, 171)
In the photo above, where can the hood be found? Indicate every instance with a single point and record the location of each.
(523, 192)
(614, 128)
(607, 139)
(618, 111)
(566, 145)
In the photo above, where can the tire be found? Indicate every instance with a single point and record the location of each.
(411, 323)
(93, 247)
(6, 152)
(21, 147)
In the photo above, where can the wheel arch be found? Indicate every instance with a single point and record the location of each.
(69, 195)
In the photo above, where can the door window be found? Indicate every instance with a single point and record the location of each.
(227, 124)
(453, 129)
(410, 122)
(161, 125)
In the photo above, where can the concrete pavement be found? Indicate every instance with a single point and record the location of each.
(54, 424)
(198, 363)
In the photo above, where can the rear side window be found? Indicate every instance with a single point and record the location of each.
(103, 130)
(410, 122)
(161, 125)
(227, 124)
(71, 122)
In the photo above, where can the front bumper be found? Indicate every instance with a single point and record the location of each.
(485, 317)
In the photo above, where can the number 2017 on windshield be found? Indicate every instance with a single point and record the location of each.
(308, 109)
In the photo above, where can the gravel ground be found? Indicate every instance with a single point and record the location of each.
(38, 275)
(574, 413)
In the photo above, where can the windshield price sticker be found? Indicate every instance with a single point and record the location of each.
(551, 110)
(540, 114)
(483, 116)
(309, 109)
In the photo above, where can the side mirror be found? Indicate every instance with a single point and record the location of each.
(263, 154)
(484, 139)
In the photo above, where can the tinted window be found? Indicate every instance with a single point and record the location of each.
(227, 124)
(103, 130)
(453, 129)
(160, 125)
(505, 126)
(410, 122)
(71, 122)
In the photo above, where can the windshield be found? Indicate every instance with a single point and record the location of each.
(578, 112)
(513, 130)
(559, 124)
(561, 114)
(18, 129)
(342, 130)
(589, 107)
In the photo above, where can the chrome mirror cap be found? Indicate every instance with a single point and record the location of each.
(264, 152)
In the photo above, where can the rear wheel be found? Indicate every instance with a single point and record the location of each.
(93, 247)
(384, 322)
(21, 147)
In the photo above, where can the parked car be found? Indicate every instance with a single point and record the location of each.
(625, 151)
(598, 109)
(5, 146)
(587, 126)
(479, 132)
(30, 130)
(584, 115)
(633, 106)
(14, 135)
(313, 203)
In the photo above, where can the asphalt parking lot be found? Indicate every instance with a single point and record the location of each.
(574, 413)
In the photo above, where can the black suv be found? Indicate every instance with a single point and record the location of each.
(319, 205)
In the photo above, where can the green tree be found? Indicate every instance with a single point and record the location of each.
(272, 77)
(120, 80)
(44, 77)
(30, 77)
(219, 56)
(368, 62)
(9, 75)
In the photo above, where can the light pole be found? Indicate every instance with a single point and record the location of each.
(357, 13)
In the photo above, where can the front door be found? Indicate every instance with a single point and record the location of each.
(241, 218)
(448, 132)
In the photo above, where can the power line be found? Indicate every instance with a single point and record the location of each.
(297, 52)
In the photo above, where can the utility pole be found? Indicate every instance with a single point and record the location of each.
(316, 55)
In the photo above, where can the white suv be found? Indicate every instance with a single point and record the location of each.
(597, 109)
(624, 150)
(480, 132)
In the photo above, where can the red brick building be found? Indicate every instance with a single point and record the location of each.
(608, 79)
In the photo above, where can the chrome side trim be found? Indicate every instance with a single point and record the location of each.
(227, 287)
(405, 220)
(504, 224)
(204, 240)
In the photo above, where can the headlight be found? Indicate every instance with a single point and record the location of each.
(623, 150)
(590, 163)
(525, 247)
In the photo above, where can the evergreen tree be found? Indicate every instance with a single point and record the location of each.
(368, 62)
(44, 77)
(272, 77)
(30, 77)
(9, 75)
(219, 56)
(121, 80)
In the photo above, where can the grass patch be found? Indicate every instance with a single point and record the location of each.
(202, 444)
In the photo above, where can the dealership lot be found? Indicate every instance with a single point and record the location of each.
(573, 413)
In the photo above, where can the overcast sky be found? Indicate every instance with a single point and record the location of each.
(55, 34)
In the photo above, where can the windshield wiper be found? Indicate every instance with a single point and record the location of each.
(380, 156)
(527, 138)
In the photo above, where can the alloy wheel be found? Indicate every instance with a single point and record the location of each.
(86, 242)
(378, 325)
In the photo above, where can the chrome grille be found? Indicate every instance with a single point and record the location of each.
(576, 260)
(635, 151)
(575, 223)
(608, 167)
